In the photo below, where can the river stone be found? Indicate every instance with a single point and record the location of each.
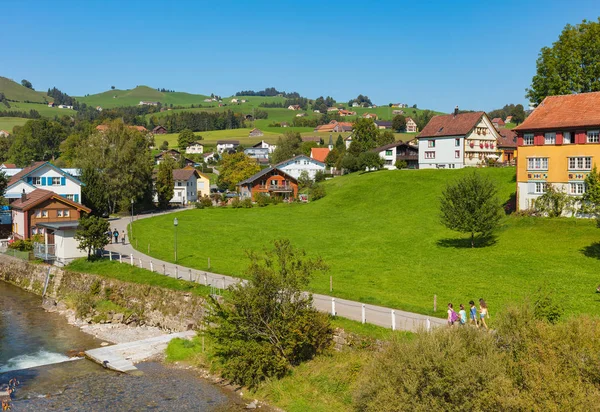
(117, 317)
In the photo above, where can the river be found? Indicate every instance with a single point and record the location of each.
(33, 347)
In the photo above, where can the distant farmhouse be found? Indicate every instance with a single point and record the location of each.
(294, 107)
(145, 103)
(227, 145)
(255, 133)
(195, 148)
(411, 125)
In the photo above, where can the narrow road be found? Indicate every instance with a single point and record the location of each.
(377, 315)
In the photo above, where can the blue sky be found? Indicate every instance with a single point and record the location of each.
(437, 54)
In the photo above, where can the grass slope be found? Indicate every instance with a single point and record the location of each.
(132, 97)
(15, 91)
(43, 109)
(8, 123)
(381, 236)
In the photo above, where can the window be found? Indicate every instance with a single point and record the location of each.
(528, 139)
(44, 213)
(388, 153)
(577, 188)
(567, 138)
(537, 163)
(456, 142)
(179, 184)
(388, 162)
(593, 136)
(66, 213)
(70, 197)
(429, 155)
(540, 187)
(580, 163)
(431, 143)
(550, 138)
(55, 181)
(37, 181)
(457, 154)
(59, 213)
(38, 213)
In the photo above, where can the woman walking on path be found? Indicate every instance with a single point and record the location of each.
(462, 315)
(452, 316)
(483, 312)
(116, 235)
(123, 237)
(473, 314)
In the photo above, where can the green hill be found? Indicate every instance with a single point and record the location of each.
(16, 92)
(132, 97)
(381, 236)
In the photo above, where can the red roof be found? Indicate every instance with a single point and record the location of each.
(451, 125)
(508, 138)
(14, 179)
(41, 195)
(498, 121)
(573, 110)
(319, 153)
(9, 165)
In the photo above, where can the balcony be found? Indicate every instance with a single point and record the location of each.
(44, 252)
(276, 188)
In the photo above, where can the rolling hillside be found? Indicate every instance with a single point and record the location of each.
(132, 97)
(14, 91)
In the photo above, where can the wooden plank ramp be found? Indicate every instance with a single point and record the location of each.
(121, 357)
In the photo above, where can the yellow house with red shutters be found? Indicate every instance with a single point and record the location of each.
(558, 144)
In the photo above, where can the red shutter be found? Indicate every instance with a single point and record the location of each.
(520, 139)
(559, 138)
(538, 139)
(580, 137)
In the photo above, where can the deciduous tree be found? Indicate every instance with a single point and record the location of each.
(287, 146)
(235, 168)
(399, 123)
(91, 234)
(590, 201)
(165, 185)
(36, 140)
(27, 84)
(364, 136)
(471, 206)
(385, 137)
(186, 138)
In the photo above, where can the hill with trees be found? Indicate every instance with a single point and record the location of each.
(16, 92)
(132, 97)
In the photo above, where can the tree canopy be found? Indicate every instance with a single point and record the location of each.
(27, 84)
(36, 140)
(289, 145)
(165, 185)
(186, 137)
(235, 168)
(570, 65)
(91, 234)
(398, 122)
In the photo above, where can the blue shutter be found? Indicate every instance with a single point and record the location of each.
(43, 181)
(63, 181)
(76, 198)
(29, 179)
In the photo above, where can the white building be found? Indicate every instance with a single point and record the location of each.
(195, 148)
(225, 145)
(296, 165)
(457, 140)
(44, 175)
(265, 145)
(399, 151)
(185, 186)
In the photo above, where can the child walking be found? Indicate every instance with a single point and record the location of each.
(452, 316)
(483, 312)
(462, 315)
(473, 314)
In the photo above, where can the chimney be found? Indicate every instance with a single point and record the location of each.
(455, 111)
(23, 196)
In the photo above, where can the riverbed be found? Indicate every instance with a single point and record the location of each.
(34, 346)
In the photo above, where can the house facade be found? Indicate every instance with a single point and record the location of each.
(261, 154)
(558, 144)
(172, 153)
(457, 140)
(298, 164)
(507, 145)
(159, 130)
(185, 188)
(265, 145)
(255, 133)
(397, 151)
(226, 145)
(271, 181)
(411, 126)
(195, 148)
(203, 185)
(44, 175)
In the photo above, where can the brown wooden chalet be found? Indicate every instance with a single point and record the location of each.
(271, 181)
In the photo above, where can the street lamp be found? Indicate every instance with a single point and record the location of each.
(131, 218)
(175, 223)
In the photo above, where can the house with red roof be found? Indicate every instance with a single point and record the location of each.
(411, 126)
(457, 140)
(498, 122)
(4, 133)
(507, 145)
(319, 153)
(558, 144)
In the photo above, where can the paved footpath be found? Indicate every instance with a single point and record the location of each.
(377, 315)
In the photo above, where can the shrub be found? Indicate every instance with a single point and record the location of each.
(203, 202)
(317, 192)
(164, 145)
(247, 203)
(319, 176)
(401, 164)
(554, 202)
(22, 245)
(275, 200)
(236, 203)
(262, 199)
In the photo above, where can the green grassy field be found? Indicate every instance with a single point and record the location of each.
(381, 236)
(15, 91)
(132, 97)
(43, 109)
(7, 123)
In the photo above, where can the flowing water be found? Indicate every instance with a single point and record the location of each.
(33, 347)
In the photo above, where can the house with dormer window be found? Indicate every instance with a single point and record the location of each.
(44, 175)
(298, 164)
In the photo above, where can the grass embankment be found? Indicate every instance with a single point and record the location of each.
(381, 236)
(8, 123)
(17, 92)
(132, 274)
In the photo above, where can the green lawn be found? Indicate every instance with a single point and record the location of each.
(381, 236)
(132, 97)
(7, 123)
(43, 109)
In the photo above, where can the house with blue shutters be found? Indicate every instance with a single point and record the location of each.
(44, 175)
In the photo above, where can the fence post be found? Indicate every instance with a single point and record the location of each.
(205, 279)
(435, 303)
(141, 263)
(332, 306)
(164, 270)
(208, 263)
(190, 275)
(110, 255)
(331, 283)
(120, 258)
(393, 319)
(427, 325)
(223, 282)
(364, 314)
(151, 266)
(176, 273)
(131, 259)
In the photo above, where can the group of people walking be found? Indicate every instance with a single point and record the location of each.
(115, 234)
(460, 318)
(10, 388)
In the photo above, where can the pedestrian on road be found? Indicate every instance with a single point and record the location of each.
(473, 314)
(109, 234)
(123, 237)
(116, 235)
(483, 312)
(462, 315)
(452, 316)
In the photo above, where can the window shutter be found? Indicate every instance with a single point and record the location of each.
(63, 181)
(76, 197)
(531, 187)
(29, 179)
(43, 181)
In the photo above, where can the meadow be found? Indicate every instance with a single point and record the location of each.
(132, 97)
(381, 236)
(7, 123)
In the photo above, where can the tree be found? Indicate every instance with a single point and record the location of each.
(364, 136)
(36, 140)
(385, 137)
(91, 234)
(339, 143)
(112, 87)
(570, 66)
(370, 161)
(590, 201)
(164, 145)
(471, 206)
(422, 118)
(399, 123)
(235, 168)
(165, 185)
(304, 180)
(3, 186)
(269, 324)
(287, 146)
(27, 84)
(553, 202)
(186, 138)
(93, 193)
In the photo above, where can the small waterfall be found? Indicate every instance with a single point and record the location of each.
(39, 358)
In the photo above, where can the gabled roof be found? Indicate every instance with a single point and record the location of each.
(184, 174)
(263, 172)
(237, 142)
(497, 120)
(195, 143)
(573, 110)
(164, 152)
(8, 166)
(319, 153)
(384, 123)
(35, 166)
(298, 157)
(41, 195)
(451, 125)
(508, 138)
(159, 127)
(395, 144)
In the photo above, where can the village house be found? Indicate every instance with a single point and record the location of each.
(298, 164)
(208, 100)
(319, 153)
(383, 125)
(335, 127)
(507, 145)
(294, 107)
(208, 157)
(508, 119)
(185, 188)
(227, 145)
(400, 105)
(558, 144)
(260, 154)
(145, 103)
(396, 112)
(355, 104)
(99, 108)
(457, 140)
(52, 217)
(203, 185)
(4, 133)
(43, 175)
(301, 115)
(234, 100)
(195, 148)
(369, 116)
(411, 126)
(348, 141)
(498, 122)
(265, 145)
(50, 104)
(332, 109)
(256, 133)
(284, 124)
(174, 154)
(65, 106)
(399, 151)
(346, 113)
(159, 130)
(270, 181)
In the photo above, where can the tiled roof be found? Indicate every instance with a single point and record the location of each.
(319, 153)
(395, 144)
(24, 173)
(9, 165)
(237, 142)
(451, 125)
(573, 110)
(40, 195)
(264, 172)
(184, 174)
(497, 120)
(297, 157)
(508, 138)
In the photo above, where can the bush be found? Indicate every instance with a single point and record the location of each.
(236, 203)
(554, 202)
(164, 145)
(203, 202)
(22, 245)
(319, 176)
(275, 200)
(317, 192)
(262, 199)
(401, 164)
(247, 203)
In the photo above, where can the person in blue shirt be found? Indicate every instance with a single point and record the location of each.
(462, 315)
(473, 314)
